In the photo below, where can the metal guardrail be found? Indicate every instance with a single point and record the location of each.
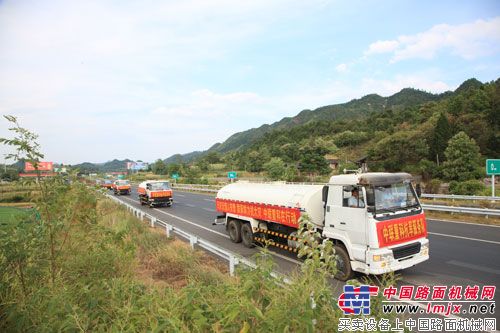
(459, 197)
(191, 188)
(232, 258)
(442, 208)
(199, 187)
(465, 210)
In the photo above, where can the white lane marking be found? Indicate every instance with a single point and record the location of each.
(474, 267)
(190, 205)
(209, 209)
(460, 222)
(467, 238)
(178, 195)
(192, 223)
(211, 200)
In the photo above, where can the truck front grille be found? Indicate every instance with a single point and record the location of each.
(406, 250)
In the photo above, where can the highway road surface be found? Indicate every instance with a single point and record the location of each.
(460, 253)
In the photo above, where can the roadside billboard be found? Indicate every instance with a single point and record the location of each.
(137, 166)
(42, 166)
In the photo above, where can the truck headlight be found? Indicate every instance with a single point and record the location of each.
(382, 257)
(424, 250)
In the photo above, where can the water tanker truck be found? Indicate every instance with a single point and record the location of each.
(121, 186)
(155, 193)
(375, 220)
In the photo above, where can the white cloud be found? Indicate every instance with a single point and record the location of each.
(389, 87)
(382, 46)
(468, 41)
(341, 68)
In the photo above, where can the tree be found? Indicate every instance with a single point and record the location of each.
(462, 158)
(203, 164)
(398, 149)
(174, 168)
(312, 160)
(255, 162)
(8, 173)
(439, 139)
(213, 157)
(159, 167)
(275, 168)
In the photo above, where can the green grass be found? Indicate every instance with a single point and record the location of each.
(10, 215)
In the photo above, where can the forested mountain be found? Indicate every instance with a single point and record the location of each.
(355, 108)
(412, 130)
(352, 109)
(185, 158)
(114, 165)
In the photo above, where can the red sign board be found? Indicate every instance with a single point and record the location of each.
(401, 230)
(42, 166)
(285, 215)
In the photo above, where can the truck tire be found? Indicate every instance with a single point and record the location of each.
(234, 230)
(247, 235)
(344, 270)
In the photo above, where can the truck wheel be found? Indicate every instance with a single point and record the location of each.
(247, 235)
(234, 230)
(344, 270)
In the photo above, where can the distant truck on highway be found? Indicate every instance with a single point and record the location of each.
(107, 184)
(155, 193)
(121, 186)
(375, 220)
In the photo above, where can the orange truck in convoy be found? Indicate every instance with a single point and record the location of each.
(155, 193)
(107, 184)
(121, 186)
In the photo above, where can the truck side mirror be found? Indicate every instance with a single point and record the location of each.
(325, 195)
(418, 189)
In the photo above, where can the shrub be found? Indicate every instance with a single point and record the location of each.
(433, 186)
(469, 187)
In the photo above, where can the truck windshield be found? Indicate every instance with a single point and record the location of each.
(391, 197)
(160, 186)
(122, 182)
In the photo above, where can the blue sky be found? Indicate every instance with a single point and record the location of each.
(99, 80)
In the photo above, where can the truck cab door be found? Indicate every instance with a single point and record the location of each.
(347, 217)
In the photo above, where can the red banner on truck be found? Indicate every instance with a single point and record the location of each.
(285, 215)
(401, 230)
(42, 166)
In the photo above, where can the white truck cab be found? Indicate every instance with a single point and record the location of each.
(384, 228)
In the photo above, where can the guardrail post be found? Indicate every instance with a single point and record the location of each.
(142, 216)
(233, 261)
(193, 240)
(153, 222)
(168, 230)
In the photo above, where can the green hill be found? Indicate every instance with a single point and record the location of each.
(353, 109)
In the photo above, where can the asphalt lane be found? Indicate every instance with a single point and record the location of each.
(460, 254)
